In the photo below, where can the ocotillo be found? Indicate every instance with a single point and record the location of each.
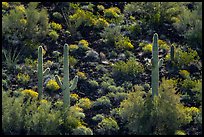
(156, 63)
(40, 72)
(65, 85)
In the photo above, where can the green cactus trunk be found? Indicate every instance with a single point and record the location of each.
(156, 63)
(66, 91)
(40, 72)
(172, 53)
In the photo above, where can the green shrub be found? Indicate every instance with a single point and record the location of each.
(127, 70)
(98, 118)
(85, 103)
(184, 73)
(189, 24)
(23, 78)
(93, 83)
(25, 23)
(54, 35)
(57, 15)
(101, 23)
(124, 43)
(148, 116)
(82, 130)
(5, 5)
(72, 61)
(102, 102)
(108, 126)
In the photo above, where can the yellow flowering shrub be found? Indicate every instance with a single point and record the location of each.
(101, 23)
(5, 5)
(163, 45)
(74, 97)
(124, 43)
(112, 12)
(23, 21)
(81, 75)
(20, 8)
(85, 103)
(83, 43)
(147, 48)
(52, 85)
(55, 26)
(43, 101)
(73, 47)
(30, 92)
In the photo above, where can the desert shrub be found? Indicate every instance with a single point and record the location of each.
(189, 25)
(5, 5)
(30, 93)
(74, 97)
(31, 63)
(23, 24)
(127, 70)
(57, 15)
(72, 61)
(98, 118)
(150, 116)
(81, 75)
(85, 103)
(52, 85)
(73, 47)
(102, 102)
(154, 15)
(124, 43)
(101, 23)
(55, 26)
(93, 83)
(112, 12)
(82, 17)
(184, 73)
(28, 117)
(23, 78)
(83, 43)
(147, 48)
(74, 119)
(108, 126)
(111, 33)
(191, 91)
(180, 132)
(82, 130)
(118, 96)
(53, 35)
(183, 57)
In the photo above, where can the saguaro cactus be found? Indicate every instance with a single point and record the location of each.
(65, 85)
(156, 63)
(172, 53)
(40, 71)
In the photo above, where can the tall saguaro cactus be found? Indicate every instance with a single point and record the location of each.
(156, 63)
(40, 71)
(65, 85)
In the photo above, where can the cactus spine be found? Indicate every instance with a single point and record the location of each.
(156, 63)
(65, 85)
(40, 71)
